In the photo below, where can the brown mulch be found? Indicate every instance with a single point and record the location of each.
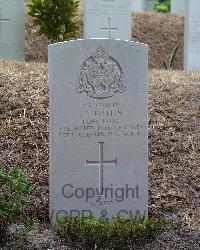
(174, 145)
(160, 31)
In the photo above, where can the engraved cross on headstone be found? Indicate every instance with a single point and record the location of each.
(109, 28)
(2, 20)
(101, 163)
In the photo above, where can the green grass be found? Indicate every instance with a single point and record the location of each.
(14, 188)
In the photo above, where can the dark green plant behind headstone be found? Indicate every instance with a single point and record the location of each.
(170, 63)
(55, 19)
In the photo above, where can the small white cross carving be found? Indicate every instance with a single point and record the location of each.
(109, 28)
(2, 20)
(101, 164)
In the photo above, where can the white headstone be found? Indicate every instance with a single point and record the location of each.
(108, 19)
(98, 128)
(192, 36)
(81, 5)
(178, 7)
(137, 5)
(149, 5)
(12, 29)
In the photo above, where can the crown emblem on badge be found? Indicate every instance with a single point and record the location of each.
(101, 76)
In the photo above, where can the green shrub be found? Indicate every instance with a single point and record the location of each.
(13, 193)
(162, 6)
(121, 233)
(55, 19)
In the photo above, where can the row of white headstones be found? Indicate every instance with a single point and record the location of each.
(177, 6)
(136, 5)
(103, 18)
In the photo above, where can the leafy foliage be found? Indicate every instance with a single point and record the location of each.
(121, 233)
(162, 6)
(169, 65)
(13, 192)
(56, 19)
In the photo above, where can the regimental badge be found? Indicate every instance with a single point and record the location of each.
(101, 76)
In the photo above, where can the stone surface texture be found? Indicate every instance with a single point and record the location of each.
(107, 19)
(178, 7)
(98, 128)
(192, 36)
(12, 30)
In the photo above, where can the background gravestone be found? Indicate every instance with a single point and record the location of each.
(138, 5)
(98, 128)
(108, 19)
(178, 7)
(192, 36)
(81, 5)
(12, 29)
(149, 5)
